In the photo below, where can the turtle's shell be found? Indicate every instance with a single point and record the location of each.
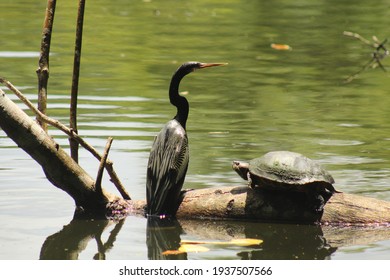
(288, 168)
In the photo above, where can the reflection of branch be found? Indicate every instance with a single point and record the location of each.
(103, 248)
(379, 54)
(72, 239)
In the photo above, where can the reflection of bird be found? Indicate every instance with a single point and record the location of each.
(163, 235)
(169, 156)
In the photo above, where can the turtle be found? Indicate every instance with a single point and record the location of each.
(289, 171)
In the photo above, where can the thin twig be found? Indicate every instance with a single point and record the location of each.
(359, 37)
(74, 147)
(379, 54)
(98, 182)
(43, 69)
(355, 75)
(43, 118)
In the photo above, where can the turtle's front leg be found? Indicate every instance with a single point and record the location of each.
(250, 182)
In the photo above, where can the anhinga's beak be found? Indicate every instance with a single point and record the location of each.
(204, 65)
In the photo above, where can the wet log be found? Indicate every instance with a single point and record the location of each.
(60, 169)
(244, 203)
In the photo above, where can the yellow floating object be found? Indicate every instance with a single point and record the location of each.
(281, 47)
(186, 248)
(237, 242)
(193, 245)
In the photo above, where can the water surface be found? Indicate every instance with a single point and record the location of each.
(263, 100)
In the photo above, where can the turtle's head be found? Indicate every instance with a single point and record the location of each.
(242, 169)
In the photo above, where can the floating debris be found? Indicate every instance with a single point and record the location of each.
(236, 242)
(281, 47)
(193, 245)
(186, 248)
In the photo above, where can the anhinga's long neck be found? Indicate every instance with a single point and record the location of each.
(177, 100)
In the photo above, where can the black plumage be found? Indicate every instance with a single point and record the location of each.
(169, 156)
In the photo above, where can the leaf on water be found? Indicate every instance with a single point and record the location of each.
(186, 248)
(281, 47)
(236, 242)
(193, 248)
(172, 252)
(219, 132)
(246, 242)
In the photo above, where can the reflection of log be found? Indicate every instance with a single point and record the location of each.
(355, 235)
(243, 203)
(59, 168)
(72, 239)
(284, 241)
(280, 241)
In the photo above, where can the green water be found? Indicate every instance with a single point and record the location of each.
(263, 100)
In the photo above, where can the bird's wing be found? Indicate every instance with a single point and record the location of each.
(167, 167)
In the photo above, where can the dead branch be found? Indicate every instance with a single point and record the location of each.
(58, 166)
(75, 80)
(376, 57)
(99, 176)
(359, 37)
(45, 119)
(43, 69)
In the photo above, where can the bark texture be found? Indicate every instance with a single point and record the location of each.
(243, 203)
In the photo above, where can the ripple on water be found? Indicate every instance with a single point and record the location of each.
(22, 54)
(331, 159)
(338, 142)
(349, 125)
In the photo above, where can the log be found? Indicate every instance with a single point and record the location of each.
(244, 203)
(72, 239)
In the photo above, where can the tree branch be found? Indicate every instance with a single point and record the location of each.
(99, 176)
(45, 119)
(75, 80)
(43, 69)
(58, 167)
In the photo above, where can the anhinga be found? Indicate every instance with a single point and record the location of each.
(169, 156)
